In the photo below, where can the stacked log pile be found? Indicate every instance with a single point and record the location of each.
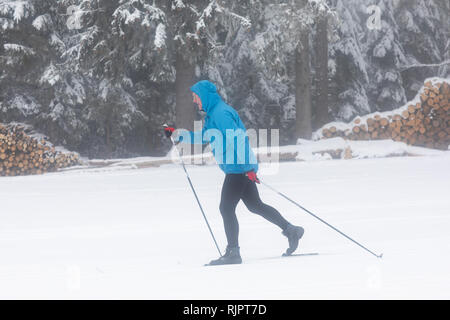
(22, 154)
(425, 123)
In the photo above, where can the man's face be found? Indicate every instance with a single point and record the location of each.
(197, 100)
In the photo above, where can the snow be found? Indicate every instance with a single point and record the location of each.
(160, 36)
(126, 16)
(75, 89)
(305, 150)
(385, 44)
(320, 5)
(42, 22)
(18, 48)
(139, 233)
(56, 41)
(104, 89)
(50, 75)
(360, 149)
(26, 105)
(443, 63)
(178, 4)
(209, 8)
(6, 24)
(17, 9)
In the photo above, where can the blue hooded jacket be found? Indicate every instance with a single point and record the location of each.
(224, 130)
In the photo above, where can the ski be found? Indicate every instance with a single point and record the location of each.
(284, 255)
(218, 265)
(300, 254)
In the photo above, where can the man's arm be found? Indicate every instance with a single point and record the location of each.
(192, 137)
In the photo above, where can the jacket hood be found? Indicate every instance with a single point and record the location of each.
(207, 92)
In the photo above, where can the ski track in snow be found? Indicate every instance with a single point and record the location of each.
(139, 234)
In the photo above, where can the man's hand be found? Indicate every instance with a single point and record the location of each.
(252, 176)
(168, 131)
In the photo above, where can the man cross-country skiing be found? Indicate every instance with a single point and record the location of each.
(240, 169)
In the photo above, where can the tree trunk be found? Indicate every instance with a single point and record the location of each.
(303, 88)
(108, 125)
(321, 108)
(185, 73)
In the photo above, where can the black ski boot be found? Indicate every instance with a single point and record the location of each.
(231, 256)
(294, 234)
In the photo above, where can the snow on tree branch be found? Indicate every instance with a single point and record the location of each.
(422, 65)
(17, 48)
(160, 36)
(214, 6)
(17, 10)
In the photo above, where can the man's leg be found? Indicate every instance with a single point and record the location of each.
(251, 199)
(232, 189)
(231, 194)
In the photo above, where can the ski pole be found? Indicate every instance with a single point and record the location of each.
(195, 194)
(323, 221)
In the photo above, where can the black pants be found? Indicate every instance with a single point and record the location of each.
(237, 187)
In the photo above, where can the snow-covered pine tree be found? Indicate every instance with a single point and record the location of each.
(410, 34)
(233, 65)
(386, 54)
(267, 57)
(119, 47)
(424, 31)
(36, 89)
(100, 76)
(189, 48)
(348, 72)
(200, 31)
(21, 59)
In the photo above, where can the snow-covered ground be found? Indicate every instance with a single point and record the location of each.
(139, 233)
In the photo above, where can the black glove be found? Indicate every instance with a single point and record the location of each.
(168, 131)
